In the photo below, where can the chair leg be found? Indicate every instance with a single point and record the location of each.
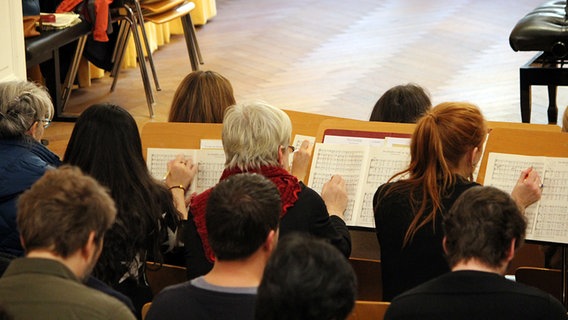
(189, 41)
(141, 62)
(118, 54)
(146, 43)
(194, 37)
(72, 73)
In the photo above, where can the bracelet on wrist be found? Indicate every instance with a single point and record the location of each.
(178, 187)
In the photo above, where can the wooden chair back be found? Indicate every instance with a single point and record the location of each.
(369, 281)
(548, 280)
(145, 309)
(369, 310)
(181, 135)
(160, 276)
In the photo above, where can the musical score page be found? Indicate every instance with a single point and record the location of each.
(344, 160)
(364, 168)
(383, 163)
(210, 165)
(547, 219)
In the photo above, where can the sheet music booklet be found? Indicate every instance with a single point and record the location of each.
(364, 166)
(547, 219)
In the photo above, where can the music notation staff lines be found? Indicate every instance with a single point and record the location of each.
(547, 220)
(210, 165)
(363, 168)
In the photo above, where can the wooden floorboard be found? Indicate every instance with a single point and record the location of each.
(337, 57)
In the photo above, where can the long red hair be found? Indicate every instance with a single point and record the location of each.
(440, 140)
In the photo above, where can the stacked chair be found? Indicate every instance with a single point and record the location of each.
(131, 14)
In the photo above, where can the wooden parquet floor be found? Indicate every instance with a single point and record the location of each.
(337, 57)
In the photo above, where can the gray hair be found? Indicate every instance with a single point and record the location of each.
(21, 104)
(252, 134)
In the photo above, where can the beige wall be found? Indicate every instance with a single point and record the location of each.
(12, 52)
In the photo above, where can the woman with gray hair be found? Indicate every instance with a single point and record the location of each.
(256, 139)
(25, 111)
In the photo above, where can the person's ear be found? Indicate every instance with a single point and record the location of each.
(444, 245)
(281, 158)
(511, 251)
(90, 248)
(271, 240)
(34, 130)
(474, 156)
(22, 242)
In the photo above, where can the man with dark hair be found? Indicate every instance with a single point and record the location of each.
(62, 220)
(482, 231)
(306, 278)
(242, 227)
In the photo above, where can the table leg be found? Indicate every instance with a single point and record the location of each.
(525, 98)
(552, 108)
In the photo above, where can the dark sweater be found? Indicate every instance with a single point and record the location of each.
(308, 215)
(474, 295)
(423, 258)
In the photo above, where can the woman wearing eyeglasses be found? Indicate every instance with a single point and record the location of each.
(25, 111)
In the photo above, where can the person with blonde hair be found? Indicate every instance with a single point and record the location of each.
(445, 148)
(26, 111)
(202, 96)
(256, 139)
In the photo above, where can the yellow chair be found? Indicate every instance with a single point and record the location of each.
(163, 11)
(369, 310)
(133, 14)
(145, 309)
(128, 16)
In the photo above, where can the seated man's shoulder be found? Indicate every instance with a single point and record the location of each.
(201, 302)
(60, 299)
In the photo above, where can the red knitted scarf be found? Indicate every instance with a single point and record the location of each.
(286, 183)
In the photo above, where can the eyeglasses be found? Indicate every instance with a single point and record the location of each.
(45, 122)
(290, 149)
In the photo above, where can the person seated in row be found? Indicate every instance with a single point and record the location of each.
(25, 112)
(445, 148)
(243, 213)
(62, 221)
(105, 143)
(402, 104)
(482, 231)
(306, 278)
(202, 96)
(553, 253)
(255, 139)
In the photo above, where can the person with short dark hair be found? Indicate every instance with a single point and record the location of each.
(482, 230)
(402, 104)
(306, 278)
(242, 227)
(62, 221)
